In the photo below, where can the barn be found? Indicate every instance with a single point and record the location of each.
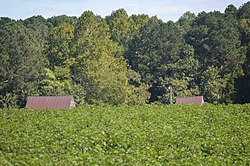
(50, 102)
(190, 100)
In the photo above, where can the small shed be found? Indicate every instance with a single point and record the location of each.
(50, 102)
(190, 100)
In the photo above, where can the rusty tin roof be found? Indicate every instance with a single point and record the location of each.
(190, 100)
(50, 102)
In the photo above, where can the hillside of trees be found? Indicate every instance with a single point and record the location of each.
(123, 59)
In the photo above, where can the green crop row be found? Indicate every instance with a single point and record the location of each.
(138, 135)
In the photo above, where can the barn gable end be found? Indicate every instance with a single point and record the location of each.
(50, 102)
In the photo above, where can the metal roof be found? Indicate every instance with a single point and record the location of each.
(50, 102)
(190, 100)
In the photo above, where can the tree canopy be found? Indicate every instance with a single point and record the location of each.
(122, 59)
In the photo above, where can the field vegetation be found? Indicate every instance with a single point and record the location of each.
(127, 135)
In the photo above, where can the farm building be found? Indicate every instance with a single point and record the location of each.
(50, 102)
(190, 100)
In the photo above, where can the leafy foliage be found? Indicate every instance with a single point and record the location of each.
(159, 53)
(60, 49)
(103, 75)
(140, 135)
(122, 59)
(21, 61)
(242, 84)
(216, 41)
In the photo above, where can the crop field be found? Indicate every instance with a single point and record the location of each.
(127, 135)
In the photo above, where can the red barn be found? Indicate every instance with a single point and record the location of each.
(190, 100)
(50, 102)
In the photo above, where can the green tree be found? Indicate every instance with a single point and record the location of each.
(138, 22)
(107, 80)
(186, 20)
(156, 52)
(138, 91)
(38, 31)
(244, 11)
(231, 10)
(59, 82)
(97, 67)
(213, 84)
(243, 83)
(57, 78)
(216, 40)
(60, 20)
(60, 46)
(21, 61)
(120, 26)
(56, 82)
(9, 100)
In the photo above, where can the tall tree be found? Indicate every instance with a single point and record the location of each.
(244, 11)
(138, 21)
(56, 81)
(156, 52)
(21, 61)
(57, 78)
(38, 31)
(60, 46)
(186, 21)
(243, 83)
(216, 40)
(103, 73)
(231, 10)
(60, 20)
(120, 26)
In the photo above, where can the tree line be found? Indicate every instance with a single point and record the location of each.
(123, 59)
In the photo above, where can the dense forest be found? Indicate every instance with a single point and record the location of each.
(123, 59)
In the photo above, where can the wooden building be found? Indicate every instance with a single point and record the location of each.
(50, 102)
(190, 100)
